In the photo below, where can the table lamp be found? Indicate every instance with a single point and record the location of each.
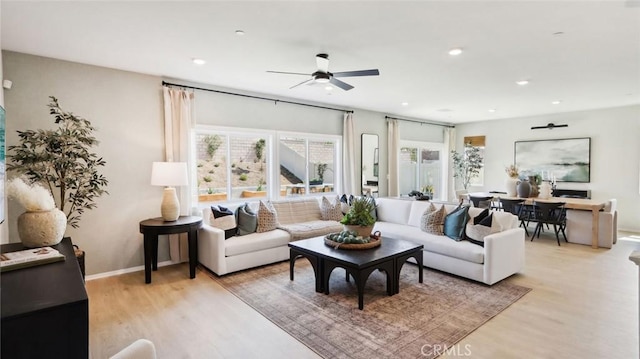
(169, 174)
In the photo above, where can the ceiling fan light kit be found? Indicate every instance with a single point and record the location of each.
(323, 76)
(550, 126)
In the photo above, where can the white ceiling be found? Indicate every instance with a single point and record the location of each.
(595, 63)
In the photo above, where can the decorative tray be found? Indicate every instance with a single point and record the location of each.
(374, 242)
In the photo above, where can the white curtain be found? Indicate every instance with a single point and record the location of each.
(348, 156)
(450, 145)
(393, 146)
(178, 122)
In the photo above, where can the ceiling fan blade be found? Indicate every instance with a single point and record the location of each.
(373, 72)
(343, 85)
(288, 73)
(302, 83)
(322, 60)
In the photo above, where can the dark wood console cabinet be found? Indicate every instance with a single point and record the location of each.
(45, 309)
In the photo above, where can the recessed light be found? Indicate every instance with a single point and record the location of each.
(455, 52)
(556, 102)
(239, 32)
(492, 110)
(405, 104)
(199, 61)
(328, 88)
(522, 82)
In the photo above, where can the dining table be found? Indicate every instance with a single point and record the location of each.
(584, 204)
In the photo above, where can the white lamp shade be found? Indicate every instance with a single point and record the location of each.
(169, 174)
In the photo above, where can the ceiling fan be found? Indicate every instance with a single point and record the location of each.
(322, 74)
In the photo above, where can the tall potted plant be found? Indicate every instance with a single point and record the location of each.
(62, 161)
(467, 165)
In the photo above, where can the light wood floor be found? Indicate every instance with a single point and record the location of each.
(584, 304)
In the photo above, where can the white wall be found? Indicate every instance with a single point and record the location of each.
(615, 152)
(126, 108)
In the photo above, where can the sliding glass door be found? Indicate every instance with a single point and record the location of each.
(422, 165)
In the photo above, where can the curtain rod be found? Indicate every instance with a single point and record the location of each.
(164, 83)
(420, 122)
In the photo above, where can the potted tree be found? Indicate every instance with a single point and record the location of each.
(467, 165)
(62, 161)
(321, 168)
(360, 217)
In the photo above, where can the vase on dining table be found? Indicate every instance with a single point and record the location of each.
(511, 186)
(523, 189)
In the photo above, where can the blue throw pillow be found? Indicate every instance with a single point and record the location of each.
(455, 223)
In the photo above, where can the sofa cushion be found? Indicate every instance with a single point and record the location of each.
(331, 211)
(443, 245)
(297, 211)
(223, 218)
(432, 219)
(311, 229)
(393, 210)
(246, 219)
(455, 222)
(267, 218)
(255, 242)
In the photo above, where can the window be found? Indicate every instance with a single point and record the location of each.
(307, 164)
(231, 165)
(421, 168)
(237, 164)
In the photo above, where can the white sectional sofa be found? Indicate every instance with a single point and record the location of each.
(298, 219)
(501, 256)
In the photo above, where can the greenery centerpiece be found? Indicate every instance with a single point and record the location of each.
(62, 161)
(360, 217)
(467, 165)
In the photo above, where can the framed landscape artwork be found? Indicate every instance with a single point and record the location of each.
(566, 160)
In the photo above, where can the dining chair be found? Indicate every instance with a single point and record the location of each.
(481, 202)
(517, 207)
(550, 213)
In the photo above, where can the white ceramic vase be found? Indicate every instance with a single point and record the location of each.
(545, 190)
(511, 185)
(42, 228)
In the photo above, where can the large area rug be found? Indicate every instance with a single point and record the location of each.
(435, 314)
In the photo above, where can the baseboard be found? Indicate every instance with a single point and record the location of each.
(124, 271)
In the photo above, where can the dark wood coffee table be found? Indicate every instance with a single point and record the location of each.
(390, 256)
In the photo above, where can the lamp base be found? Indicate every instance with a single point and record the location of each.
(170, 207)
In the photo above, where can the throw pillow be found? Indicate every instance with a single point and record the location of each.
(476, 233)
(484, 214)
(431, 221)
(267, 218)
(223, 218)
(331, 211)
(486, 221)
(345, 203)
(246, 219)
(455, 222)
